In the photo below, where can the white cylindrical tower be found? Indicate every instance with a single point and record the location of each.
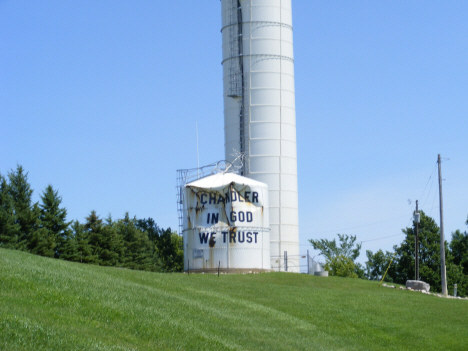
(259, 110)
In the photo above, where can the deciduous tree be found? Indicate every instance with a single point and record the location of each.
(377, 264)
(339, 259)
(429, 254)
(459, 249)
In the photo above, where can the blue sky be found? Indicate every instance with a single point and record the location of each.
(100, 99)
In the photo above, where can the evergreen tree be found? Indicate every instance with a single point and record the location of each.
(84, 247)
(151, 228)
(155, 233)
(77, 247)
(27, 214)
(42, 242)
(139, 250)
(113, 248)
(53, 218)
(9, 229)
(69, 248)
(93, 228)
(106, 243)
(170, 248)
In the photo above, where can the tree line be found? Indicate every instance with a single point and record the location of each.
(42, 228)
(403, 266)
(340, 258)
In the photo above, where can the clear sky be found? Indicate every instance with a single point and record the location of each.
(100, 99)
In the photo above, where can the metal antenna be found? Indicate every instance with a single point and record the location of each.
(198, 156)
(238, 162)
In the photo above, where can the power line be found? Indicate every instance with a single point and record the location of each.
(433, 201)
(411, 218)
(430, 188)
(366, 225)
(386, 237)
(359, 226)
(391, 236)
(432, 173)
(365, 241)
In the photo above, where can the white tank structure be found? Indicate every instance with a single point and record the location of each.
(259, 111)
(226, 224)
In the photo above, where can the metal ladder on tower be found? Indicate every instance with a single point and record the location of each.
(235, 74)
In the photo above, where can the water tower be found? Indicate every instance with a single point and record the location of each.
(226, 224)
(259, 111)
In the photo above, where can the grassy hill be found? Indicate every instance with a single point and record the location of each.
(49, 304)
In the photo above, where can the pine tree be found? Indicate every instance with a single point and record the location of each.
(151, 228)
(27, 214)
(168, 245)
(69, 248)
(139, 250)
(106, 243)
(113, 244)
(170, 248)
(53, 218)
(9, 229)
(77, 247)
(93, 229)
(84, 248)
(42, 242)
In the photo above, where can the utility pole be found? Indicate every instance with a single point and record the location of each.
(442, 242)
(416, 247)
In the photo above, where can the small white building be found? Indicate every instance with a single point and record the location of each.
(226, 224)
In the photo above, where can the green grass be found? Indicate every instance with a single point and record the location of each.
(49, 304)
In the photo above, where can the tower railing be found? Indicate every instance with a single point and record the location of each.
(185, 176)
